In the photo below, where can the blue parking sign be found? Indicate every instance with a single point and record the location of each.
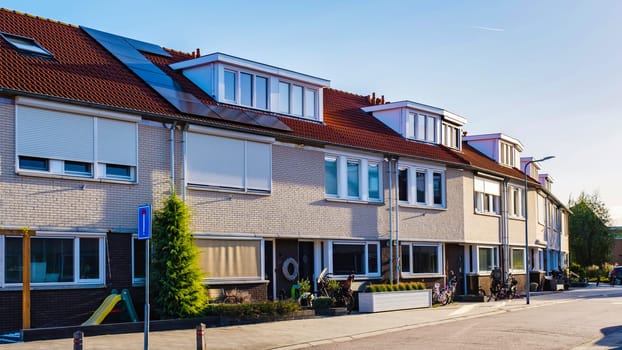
(144, 221)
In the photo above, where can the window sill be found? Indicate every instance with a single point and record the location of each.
(195, 187)
(517, 218)
(221, 281)
(494, 215)
(421, 275)
(74, 178)
(419, 206)
(54, 286)
(353, 201)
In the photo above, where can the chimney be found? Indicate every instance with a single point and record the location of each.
(382, 100)
(198, 52)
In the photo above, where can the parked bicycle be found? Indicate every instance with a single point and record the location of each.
(501, 288)
(342, 295)
(439, 296)
(447, 294)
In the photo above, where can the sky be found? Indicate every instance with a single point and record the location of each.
(548, 73)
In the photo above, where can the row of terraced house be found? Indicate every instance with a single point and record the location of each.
(284, 175)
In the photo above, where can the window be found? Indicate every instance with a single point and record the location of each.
(452, 136)
(297, 100)
(55, 259)
(506, 154)
(283, 97)
(261, 92)
(487, 259)
(33, 163)
(373, 178)
(360, 258)
(230, 86)
(138, 260)
(350, 178)
(78, 168)
(330, 176)
(516, 207)
(225, 163)
(541, 209)
(422, 258)
(421, 186)
(425, 127)
(518, 259)
(353, 179)
(230, 259)
(487, 194)
(246, 89)
(64, 143)
(25, 44)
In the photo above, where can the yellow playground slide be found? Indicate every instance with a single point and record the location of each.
(103, 310)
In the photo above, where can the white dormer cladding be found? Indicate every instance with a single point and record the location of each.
(533, 168)
(504, 149)
(419, 122)
(246, 83)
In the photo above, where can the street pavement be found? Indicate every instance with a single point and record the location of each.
(300, 334)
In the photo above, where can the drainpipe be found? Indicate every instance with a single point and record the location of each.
(389, 166)
(397, 223)
(184, 132)
(505, 237)
(172, 160)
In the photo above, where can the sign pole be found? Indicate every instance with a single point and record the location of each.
(144, 233)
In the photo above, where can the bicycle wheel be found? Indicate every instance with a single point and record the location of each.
(442, 298)
(349, 301)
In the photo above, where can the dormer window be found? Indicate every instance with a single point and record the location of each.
(419, 122)
(424, 127)
(452, 136)
(250, 84)
(25, 44)
(506, 154)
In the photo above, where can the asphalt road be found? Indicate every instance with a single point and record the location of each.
(579, 319)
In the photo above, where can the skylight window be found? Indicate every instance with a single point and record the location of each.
(25, 44)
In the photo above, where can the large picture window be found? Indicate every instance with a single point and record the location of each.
(55, 259)
(359, 258)
(61, 141)
(421, 258)
(225, 163)
(352, 178)
(486, 259)
(230, 259)
(421, 186)
(518, 259)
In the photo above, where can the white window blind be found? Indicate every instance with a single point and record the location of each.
(55, 135)
(116, 142)
(487, 186)
(228, 162)
(259, 165)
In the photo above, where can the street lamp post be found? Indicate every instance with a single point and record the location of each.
(527, 272)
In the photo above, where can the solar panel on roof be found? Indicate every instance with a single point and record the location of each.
(126, 51)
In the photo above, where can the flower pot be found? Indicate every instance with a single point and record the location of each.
(388, 301)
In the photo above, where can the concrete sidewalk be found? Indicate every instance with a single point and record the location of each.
(295, 334)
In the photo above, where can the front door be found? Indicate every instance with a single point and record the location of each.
(306, 260)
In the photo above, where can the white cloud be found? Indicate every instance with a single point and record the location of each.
(490, 29)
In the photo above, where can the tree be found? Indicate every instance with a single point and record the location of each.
(590, 239)
(177, 281)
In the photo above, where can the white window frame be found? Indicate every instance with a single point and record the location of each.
(452, 136)
(227, 280)
(506, 154)
(429, 170)
(439, 259)
(364, 163)
(56, 166)
(541, 206)
(516, 202)
(246, 139)
(75, 236)
(305, 88)
(488, 201)
(421, 131)
(512, 268)
(495, 258)
(366, 245)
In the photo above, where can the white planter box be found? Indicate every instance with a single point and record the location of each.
(387, 301)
